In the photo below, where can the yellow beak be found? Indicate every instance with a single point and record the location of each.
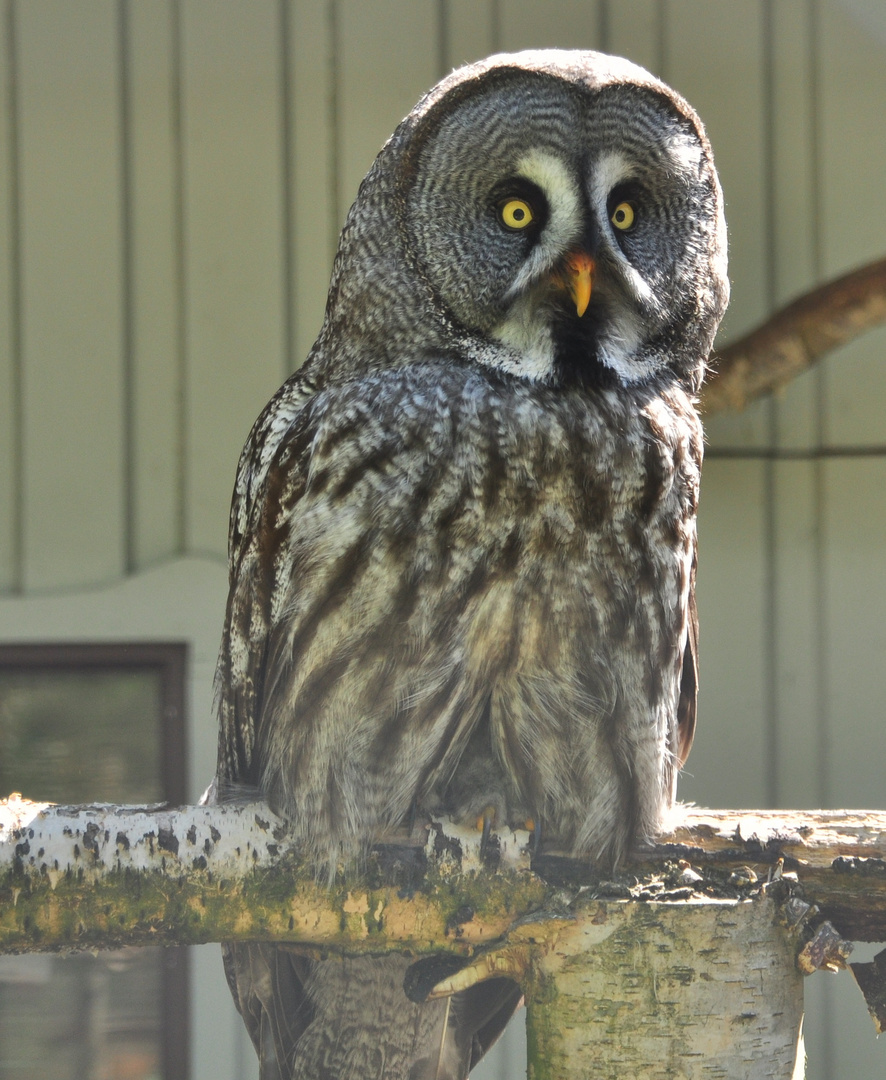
(579, 279)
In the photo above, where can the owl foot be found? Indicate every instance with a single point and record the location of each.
(485, 821)
(534, 827)
(411, 816)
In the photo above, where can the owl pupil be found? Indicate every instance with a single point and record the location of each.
(519, 214)
(619, 215)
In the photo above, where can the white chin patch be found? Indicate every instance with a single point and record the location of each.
(529, 348)
(619, 350)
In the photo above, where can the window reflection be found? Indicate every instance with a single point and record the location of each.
(81, 736)
(88, 729)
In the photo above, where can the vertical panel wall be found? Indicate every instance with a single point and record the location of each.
(312, 165)
(10, 368)
(173, 178)
(233, 242)
(151, 72)
(71, 327)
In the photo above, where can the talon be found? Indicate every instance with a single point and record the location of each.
(411, 816)
(485, 822)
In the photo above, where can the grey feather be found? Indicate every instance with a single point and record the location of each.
(463, 536)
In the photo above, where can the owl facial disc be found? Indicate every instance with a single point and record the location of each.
(571, 228)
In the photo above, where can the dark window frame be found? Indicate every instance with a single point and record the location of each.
(170, 661)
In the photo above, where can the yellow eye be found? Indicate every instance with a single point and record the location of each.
(623, 216)
(516, 213)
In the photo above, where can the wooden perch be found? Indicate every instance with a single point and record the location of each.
(871, 979)
(794, 338)
(621, 972)
(102, 876)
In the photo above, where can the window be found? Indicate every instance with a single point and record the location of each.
(94, 723)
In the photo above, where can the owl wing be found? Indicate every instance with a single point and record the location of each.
(291, 1005)
(688, 680)
(347, 1018)
(254, 555)
(268, 984)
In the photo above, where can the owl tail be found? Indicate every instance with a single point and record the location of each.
(348, 1018)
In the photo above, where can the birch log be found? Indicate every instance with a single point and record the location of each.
(795, 337)
(685, 966)
(90, 876)
(641, 991)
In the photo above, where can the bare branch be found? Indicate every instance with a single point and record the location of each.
(99, 876)
(839, 856)
(102, 876)
(794, 338)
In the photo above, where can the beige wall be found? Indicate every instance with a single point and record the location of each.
(173, 176)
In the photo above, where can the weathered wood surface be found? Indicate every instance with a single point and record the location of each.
(622, 973)
(795, 337)
(637, 990)
(103, 876)
(839, 856)
(100, 876)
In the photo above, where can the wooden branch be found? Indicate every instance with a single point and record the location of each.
(794, 338)
(871, 979)
(104, 876)
(723, 907)
(839, 856)
(648, 991)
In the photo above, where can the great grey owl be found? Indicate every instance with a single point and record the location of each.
(463, 540)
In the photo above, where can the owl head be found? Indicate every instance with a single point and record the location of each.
(552, 215)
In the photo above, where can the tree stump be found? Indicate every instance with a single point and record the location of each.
(688, 966)
(669, 991)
